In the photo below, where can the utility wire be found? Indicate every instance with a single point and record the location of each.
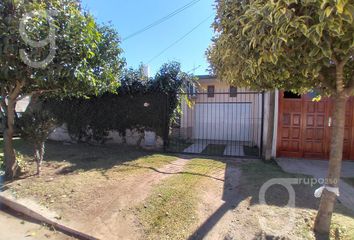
(179, 40)
(162, 20)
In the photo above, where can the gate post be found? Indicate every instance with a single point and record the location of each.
(262, 126)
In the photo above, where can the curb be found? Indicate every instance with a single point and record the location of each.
(16, 206)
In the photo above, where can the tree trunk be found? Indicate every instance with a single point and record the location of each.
(269, 141)
(324, 216)
(39, 150)
(11, 166)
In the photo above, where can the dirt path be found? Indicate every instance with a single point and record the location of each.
(111, 216)
(215, 211)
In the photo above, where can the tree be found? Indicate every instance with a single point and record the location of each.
(297, 45)
(51, 46)
(35, 127)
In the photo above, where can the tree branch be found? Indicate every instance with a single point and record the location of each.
(326, 83)
(37, 92)
(349, 90)
(16, 90)
(346, 58)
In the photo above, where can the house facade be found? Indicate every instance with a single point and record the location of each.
(304, 127)
(221, 116)
(236, 120)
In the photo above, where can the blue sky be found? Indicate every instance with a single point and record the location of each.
(129, 16)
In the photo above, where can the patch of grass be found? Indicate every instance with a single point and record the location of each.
(342, 227)
(214, 150)
(171, 209)
(349, 181)
(18, 144)
(251, 151)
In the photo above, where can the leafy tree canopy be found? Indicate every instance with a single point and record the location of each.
(81, 56)
(52, 46)
(287, 44)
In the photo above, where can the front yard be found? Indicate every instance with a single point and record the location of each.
(121, 192)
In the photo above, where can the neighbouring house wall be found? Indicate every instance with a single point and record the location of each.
(22, 104)
(132, 137)
(275, 130)
(60, 134)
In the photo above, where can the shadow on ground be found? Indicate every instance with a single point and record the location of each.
(254, 175)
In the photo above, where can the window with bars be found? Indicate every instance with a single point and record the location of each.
(211, 91)
(233, 92)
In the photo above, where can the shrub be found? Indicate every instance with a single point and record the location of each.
(35, 127)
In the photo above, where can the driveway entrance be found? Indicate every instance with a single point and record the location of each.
(319, 169)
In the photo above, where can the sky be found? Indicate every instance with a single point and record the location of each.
(130, 16)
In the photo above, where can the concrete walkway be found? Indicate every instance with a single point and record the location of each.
(15, 227)
(233, 148)
(319, 169)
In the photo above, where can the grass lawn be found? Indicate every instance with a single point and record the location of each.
(171, 210)
(18, 144)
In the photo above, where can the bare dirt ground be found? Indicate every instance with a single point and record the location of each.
(103, 191)
(110, 214)
(230, 210)
(214, 214)
(105, 207)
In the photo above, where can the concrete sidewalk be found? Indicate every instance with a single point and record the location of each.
(319, 169)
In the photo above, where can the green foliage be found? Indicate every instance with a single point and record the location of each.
(285, 44)
(139, 103)
(36, 125)
(91, 119)
(87, 56)
(53, 46)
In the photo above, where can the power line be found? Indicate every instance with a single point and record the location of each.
(195, 68)
(179, 40)
(162, 20)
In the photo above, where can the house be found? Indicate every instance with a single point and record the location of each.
(303, 127)
(221, 118)
(234, 122)
(21, 107)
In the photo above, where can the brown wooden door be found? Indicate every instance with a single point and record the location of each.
(348, 131)
(304, 128)
(289, 125)
(315, 132)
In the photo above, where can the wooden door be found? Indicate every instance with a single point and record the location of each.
(289, 127)
(348, 131)
(315, 131)
(304, 128)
